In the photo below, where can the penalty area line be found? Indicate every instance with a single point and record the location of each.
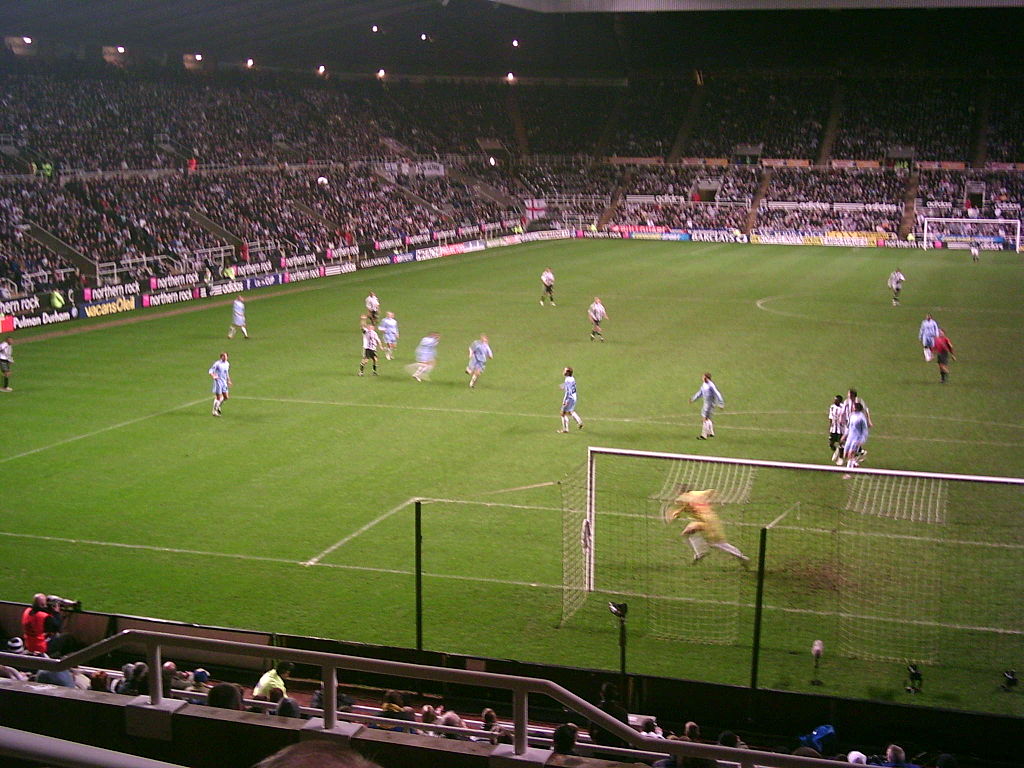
(315, 560)
(95, 432)
(520, 488)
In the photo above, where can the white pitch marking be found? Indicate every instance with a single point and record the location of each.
(342, 542)
(616, 419)
(520, 488)
(486, 580)
(112, 427)
(490, 504)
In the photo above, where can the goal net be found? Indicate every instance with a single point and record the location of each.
(873, 561)
(985, 234)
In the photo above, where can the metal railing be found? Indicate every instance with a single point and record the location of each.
(521, 687)
(68, 754)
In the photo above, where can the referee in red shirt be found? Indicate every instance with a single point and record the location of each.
(943, 350)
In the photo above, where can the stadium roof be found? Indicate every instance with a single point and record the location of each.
(475, 36)
(648, 6)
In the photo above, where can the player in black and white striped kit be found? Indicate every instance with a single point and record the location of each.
(371, 343)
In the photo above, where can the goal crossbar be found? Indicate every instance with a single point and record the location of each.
(594, 451)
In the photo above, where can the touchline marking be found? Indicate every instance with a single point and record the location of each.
(486, 580)
(342, 542)
(112, 427)
(616, 419)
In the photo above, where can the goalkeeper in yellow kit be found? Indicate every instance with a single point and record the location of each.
(704, 529)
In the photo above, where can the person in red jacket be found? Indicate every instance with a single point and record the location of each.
(39, 622)
(943, 350)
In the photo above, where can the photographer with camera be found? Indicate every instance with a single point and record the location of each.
(41, 621)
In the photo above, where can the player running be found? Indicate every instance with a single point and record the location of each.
(479, 353)
(220, 372)
(943, 349)
(704, 529)
(426, 357)
(569, 402)
(238, 317)
(389, 327)
(895, 284)
(709, 393)
(547, 280)
(928, 333)
(371, 343)
(597, 313)
(372, 307)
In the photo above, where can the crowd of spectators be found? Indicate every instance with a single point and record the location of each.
(837, 186)
(650, 120)
(992, 195)
(934, 117)
(565, 179)
(825, 219)
(107, 120)
(457, 115)
(730, 184)
(683, 215)
(1006, 124)
(786, 115)
(563, 119)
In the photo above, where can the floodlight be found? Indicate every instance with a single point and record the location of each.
(515, 43)
(198, 57)
(380, 74)
(618, 609)
(321, 69)
(27, 40)
(375, 29)
(120, 49)
(423, 36)
(510, 77)
(249, 63)
(491, 161)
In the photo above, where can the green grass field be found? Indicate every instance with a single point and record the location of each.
(120, 489)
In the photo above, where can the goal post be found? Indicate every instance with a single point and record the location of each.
(867, 559)
(988, 234)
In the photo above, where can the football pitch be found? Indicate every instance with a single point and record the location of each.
(292, 512)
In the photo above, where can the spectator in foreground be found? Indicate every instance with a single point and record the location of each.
(609, 704)
(39, 622)
(288, 707)
(225, 696)
(393, 706)
(315, 754)
(344, 701)
(273, 678)
(563, 741)
(896, 757)
(453, 720)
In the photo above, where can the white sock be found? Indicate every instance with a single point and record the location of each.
(575, 416)
(704, 428)
(698, 544)
(231, 332)
(245, 332)
(725, 546)
(565, 423)
(216, 404)
(711, 428)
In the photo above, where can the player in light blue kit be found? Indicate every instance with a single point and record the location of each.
(220, 373)
(389, 327)
(238, 317)
(569, 401)
(426, 357)
(856, 435)
(928, 333)
(479, 354)
(709, 393)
